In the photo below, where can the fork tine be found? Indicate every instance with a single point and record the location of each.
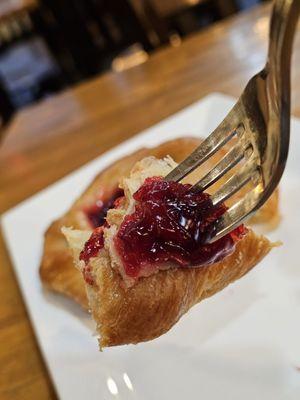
(235, 183)
(237, 213)
(220, 136)
(232, 158)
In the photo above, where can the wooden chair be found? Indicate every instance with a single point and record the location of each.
(86, 34)
(12, 8)
(62, 23)
(14, 23)
(119, 24)
(182, 16)
(17, 30)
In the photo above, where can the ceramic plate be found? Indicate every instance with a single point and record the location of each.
(243, 343)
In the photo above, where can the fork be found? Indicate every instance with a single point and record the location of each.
(260, 124)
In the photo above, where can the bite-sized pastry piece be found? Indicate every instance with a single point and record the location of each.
(151, 261)
(89, 211)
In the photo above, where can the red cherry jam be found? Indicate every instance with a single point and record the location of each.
(93, 245)
(172, 224)
(97, 213)
(96, 216)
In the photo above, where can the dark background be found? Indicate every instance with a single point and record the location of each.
(58, 43)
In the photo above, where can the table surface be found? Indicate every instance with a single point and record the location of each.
(49, 140)
(11, 7)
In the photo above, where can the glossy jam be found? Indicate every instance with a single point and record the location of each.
(97, 213)
(96, 216)
(93, 245)
(171, 224)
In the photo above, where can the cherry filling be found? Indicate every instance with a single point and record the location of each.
(93, 245)
(96, 216)
(172, 223)
(97, 213)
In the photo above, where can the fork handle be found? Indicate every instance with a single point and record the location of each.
(282, 30)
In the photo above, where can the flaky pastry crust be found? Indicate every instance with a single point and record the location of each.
(155, 303)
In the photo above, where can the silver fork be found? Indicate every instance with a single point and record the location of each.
(260, 122)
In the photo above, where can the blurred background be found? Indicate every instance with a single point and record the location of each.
(48, 45)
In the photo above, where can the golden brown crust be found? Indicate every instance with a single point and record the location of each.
(154, 304)
(57, 271)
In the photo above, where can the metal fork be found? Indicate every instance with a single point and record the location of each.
(260, 122)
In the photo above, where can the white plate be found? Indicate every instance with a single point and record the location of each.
(243, 343)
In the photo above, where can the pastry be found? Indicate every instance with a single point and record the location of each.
(151, 262)
(57, 271)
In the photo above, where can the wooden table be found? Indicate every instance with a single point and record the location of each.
(51, 139)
